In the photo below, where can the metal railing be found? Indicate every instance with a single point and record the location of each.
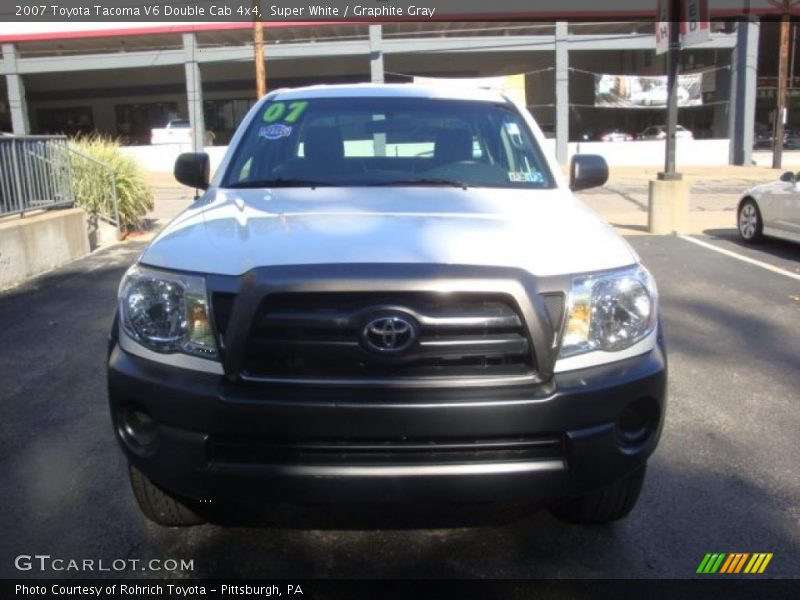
(35, 174)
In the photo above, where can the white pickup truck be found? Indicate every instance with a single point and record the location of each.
(177, 131)
(387, 293)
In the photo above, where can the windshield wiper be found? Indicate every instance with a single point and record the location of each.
(432, 181)
(285, 182)
(278, 183)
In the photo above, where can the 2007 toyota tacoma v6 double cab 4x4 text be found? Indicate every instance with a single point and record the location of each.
(387, 293)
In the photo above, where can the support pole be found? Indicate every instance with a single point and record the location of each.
(376, 53)
(258, 51)
(562, 93)
(673, 68)
(194, 93)
(792, 53)
(17, 105)
(780, 100)
(744, 87)
(668, 199)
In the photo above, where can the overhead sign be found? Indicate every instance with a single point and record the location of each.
(662, 26)
(637, 91)
(694, 23)
(695, 27)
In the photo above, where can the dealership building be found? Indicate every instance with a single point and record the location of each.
(87, 77)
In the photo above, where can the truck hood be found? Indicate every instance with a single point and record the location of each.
(545, 232)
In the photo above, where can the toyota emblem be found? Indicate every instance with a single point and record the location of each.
(389, 334)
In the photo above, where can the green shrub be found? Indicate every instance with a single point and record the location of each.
(92, 182)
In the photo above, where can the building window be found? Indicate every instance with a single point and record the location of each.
(5, 117)
(75, 120)
(134, 121)
(224, 116)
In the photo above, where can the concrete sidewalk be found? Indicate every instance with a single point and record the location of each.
(714, 195)
(623, 201)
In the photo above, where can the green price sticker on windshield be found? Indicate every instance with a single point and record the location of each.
(278, 112)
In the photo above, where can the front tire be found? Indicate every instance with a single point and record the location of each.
(160, 506)
(609, 503)
(750, 223)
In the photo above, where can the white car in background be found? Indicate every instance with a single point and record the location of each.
(659, 132)
(177, 131)
(615, 135)
(771, 209)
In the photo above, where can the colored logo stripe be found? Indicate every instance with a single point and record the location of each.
(710, 563)
(758, 563)
(734, 563)
(727, 564)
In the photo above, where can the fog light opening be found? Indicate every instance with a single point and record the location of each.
(138, 427)
(637, 422)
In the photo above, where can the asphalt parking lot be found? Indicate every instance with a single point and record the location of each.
(724, 478)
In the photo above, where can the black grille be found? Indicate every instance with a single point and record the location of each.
(554, 305)
(364, 452)
(222, 305)
(318, 335)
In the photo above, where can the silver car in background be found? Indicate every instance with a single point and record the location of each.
(771, 209)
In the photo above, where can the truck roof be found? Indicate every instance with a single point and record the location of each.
(458, 90)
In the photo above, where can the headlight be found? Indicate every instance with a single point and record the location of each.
(610, 312)
(167, 312)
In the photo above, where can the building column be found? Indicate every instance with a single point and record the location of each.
(743, 92)
(194, 93)
(376, 53)
(16, 92)
(562, 93)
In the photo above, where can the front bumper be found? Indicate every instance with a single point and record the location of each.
(217, 440)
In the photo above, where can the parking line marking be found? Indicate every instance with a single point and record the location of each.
(742, 258)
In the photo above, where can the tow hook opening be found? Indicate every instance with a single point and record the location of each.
(138, 429)
(637, 423)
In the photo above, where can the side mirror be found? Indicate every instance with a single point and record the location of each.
(193, 169)
(788, 177)
(587, 171)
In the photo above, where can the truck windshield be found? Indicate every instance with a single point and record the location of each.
(387, 142)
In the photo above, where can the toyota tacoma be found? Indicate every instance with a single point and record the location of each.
(387, 294)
